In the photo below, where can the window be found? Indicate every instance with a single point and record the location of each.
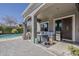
(44, 26)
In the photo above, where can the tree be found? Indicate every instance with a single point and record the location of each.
(10, 21)
(7, 30)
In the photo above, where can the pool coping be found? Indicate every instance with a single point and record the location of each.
(11, 39)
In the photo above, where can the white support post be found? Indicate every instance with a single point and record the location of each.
(24, 30)
(34, 28)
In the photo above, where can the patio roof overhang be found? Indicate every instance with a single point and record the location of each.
(49, 10)
(31, 7)
(55, 10)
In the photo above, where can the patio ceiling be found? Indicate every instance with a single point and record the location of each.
(55, 10)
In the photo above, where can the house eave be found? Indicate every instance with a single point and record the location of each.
(30, 9)
(27, 9)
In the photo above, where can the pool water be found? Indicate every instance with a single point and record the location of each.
(7, 36)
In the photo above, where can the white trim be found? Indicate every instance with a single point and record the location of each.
(73, 24)
(37, 9)
(27, 8)
(33, 12)
(64, 17)
(27, 17)
(44, 22)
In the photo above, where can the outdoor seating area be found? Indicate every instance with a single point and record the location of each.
(49, 23)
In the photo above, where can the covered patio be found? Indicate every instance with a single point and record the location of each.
(52, 21)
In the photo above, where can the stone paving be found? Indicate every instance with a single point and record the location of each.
(60, 48)
(21, 48)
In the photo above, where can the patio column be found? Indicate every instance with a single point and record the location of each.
(34, 28)
(24, 30)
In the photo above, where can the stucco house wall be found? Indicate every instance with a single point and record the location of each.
(77, 26)
(38, 27)
(73, 12)
(50, 25)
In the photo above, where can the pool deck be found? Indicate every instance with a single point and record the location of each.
(22, 48)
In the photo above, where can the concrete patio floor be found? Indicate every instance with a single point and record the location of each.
(21, 48)
(60, 48)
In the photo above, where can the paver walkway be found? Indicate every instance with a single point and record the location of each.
(21, 48)
(60, 48)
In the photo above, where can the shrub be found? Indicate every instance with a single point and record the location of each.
(14, 31)
(20, 30)
(74, 50)
(7, 30)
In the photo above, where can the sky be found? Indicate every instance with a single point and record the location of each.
(13, 9)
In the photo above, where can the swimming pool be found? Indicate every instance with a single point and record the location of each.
(9, 36)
